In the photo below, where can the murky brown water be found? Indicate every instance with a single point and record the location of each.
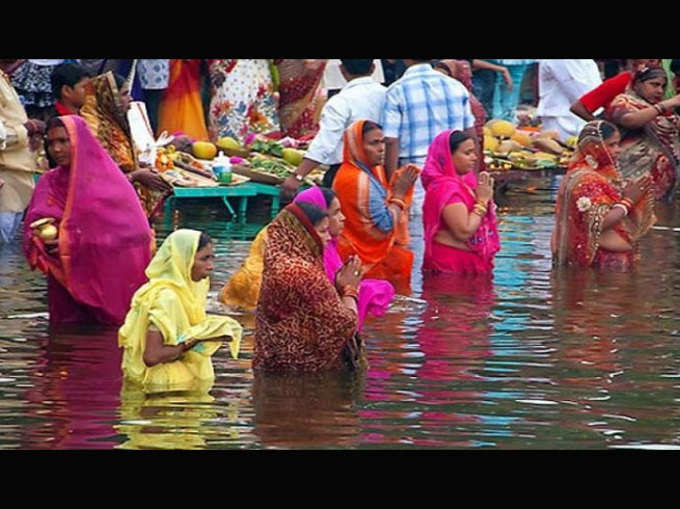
(538, 359)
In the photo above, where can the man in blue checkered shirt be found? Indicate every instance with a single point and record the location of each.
(419, 106)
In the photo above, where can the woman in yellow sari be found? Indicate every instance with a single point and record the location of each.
(167, 336)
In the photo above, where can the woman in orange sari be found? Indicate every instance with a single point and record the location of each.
(181, 108)
(376, 227)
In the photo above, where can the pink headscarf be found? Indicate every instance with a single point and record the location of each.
(104, 236)
(442, 183)
(375, 295)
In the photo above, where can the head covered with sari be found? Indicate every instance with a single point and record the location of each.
(301, 323)
(355, 179)
(103, 112)
(443, 184)
(592, 185)
(175, 304)
(374, 294)
(104, 236)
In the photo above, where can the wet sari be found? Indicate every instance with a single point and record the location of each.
(104, 115)
(301, 96)
(653, 148)
(371, 232)
(174, 304)
(444, 186)
(243, 289)
(97, 224)
(302, 324)
(181, 107)
(592, 185)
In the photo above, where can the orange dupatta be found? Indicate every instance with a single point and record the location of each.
(380, 250)
(181, 108)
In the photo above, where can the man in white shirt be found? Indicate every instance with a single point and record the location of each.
(560, 83)
(361, 98)
(334, 81)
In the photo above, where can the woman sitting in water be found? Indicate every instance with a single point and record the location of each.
(243, 289)
(376, 229)
(303, 321)
(103, 241)
(167, 336)
(598, 216)
(650, 131)
(459, 215)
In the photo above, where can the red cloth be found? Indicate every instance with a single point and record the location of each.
(61, 109)
(605, 93)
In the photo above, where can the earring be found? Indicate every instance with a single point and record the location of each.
(590, 160)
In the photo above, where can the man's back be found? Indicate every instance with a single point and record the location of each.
(422, 104)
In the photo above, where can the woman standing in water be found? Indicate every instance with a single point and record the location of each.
(98, 218)
(459, 215)
(599, 217)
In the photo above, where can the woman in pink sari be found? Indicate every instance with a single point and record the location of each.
(97, 261)
(375, 295)
(459, 216)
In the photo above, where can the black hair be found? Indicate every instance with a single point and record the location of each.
(51, 124)
(328, 195)
(648, 73)
(313, 213)
(456, 138)
(675, 65)
(607, 129)
(66, 74)
(369, 125)
(357, 66)
(203, 241)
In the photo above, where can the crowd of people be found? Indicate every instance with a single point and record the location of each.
(395, 157)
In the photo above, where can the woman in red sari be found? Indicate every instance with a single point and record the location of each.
(376, 212)
(304, 322)
(650, 131)
(301, 96)
(97, 261)
(599, 216)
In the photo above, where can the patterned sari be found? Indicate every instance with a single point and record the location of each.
(364, 194)
(653, 149)
(104, 115)
(181, 107)
(587, 193)
(99, 220)
(301, 322)
(301, 97)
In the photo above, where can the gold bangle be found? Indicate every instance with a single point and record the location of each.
(627, 202)
(399, 203)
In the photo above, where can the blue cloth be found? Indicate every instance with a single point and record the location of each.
(422, 104)
(505, 102)
(379, 214)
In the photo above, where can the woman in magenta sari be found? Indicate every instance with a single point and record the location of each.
(459, 216)
(103, 243)
(375, 295)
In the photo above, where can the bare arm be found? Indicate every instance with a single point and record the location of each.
(637, 119)
(578, 109)
(391, 156)
(483, 64)
(461, 224)
(155, 352)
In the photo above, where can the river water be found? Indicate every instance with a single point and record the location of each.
(537, 360)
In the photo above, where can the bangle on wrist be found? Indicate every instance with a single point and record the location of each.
(349, 291)
(627, 202)
(299, 178)
(659, 108)
(399, 203)
(622, 207)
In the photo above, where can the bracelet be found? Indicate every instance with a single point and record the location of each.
(480, 210)
(483, 203)
(621, 206)
(627, 202)
(350, 291)
(399, 203)
(660, 109)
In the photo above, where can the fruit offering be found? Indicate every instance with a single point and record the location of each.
(44, 228)
(204, 150)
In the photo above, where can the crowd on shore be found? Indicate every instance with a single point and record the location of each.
(398, 156)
